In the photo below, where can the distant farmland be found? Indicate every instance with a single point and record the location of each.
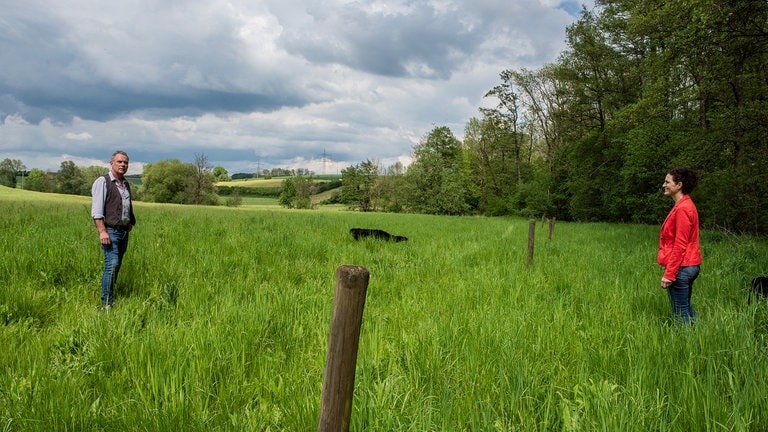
(255, 183)
(263, 187)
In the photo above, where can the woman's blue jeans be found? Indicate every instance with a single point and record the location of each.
(680, 293)
(113, 258)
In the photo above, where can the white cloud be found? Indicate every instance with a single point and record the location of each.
(256, 84)
(15, 119)
(82, 136)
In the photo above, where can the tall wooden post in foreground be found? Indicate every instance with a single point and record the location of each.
(347, 318)
(531, 235)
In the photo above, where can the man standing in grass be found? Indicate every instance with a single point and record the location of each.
(679, 250)
(112, 214)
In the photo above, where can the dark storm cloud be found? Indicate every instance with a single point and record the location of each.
(63, 103)
(60, 69)
(424, 43)
(424, 39)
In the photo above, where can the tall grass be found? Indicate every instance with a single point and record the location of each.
(222, 316)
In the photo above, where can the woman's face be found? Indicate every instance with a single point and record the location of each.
(670, 187)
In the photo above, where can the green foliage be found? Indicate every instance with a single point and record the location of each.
(240, 176)
(496, 158)
(9, 168)
(357, 186)
(334, 198)
(39, 181)
(233, 200)
(436, 182)
(642, 87)
(220, 174)
(695, 88)
(533, 198)
(272, 192)
(388, 189)
(296, 193)
(289, 193)
(171, 181)
(203, 190)
(70, 180)
(579, 340)
(323, 186)
(90, 174)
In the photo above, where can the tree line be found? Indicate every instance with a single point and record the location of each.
(169, 181)
(70, 179)
(643, 86)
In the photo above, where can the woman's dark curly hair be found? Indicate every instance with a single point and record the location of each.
(687, 176)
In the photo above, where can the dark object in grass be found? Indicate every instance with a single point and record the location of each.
(359, 233)
(759, 288)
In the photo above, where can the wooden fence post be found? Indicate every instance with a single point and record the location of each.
(551, 227)
(344, 339)
(531, 235)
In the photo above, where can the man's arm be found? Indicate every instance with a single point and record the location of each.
(103, 234)
(98, 197)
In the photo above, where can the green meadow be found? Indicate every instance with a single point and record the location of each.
(222, 317)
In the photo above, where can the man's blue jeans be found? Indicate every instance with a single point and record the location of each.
(680, 293)
(113, 258)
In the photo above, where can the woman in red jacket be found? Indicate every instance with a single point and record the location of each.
(679, 250)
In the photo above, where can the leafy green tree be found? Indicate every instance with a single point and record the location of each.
(90, 174)
(495, 163)
(220, 174)
(388, 187)
(700, 102)
(70, 180)
(9, 169)
(543, 99)
(505, 124)
(357, 186)
(288, 193)
(600, 81)
(296, 193)
(532, 197)
(436, 182)
(203, 190)
(169, 181)
(39, 181)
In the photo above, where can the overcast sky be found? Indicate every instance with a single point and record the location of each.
(255, 84)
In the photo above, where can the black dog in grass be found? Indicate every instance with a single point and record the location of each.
(359, 233)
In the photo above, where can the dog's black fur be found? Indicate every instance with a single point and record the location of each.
(359, 233)
(759, 288)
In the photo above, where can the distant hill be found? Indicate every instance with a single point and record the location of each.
(271, 187)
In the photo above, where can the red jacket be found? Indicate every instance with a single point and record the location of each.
(679, 238)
